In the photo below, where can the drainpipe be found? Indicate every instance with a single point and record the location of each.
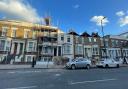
(73, 46)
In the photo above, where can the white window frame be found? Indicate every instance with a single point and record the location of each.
(68, 39)
(2, 49)
(79, 49)
(30, 49)
(94, 39)
(47, 50)
(90, 39)
(67, 49)
(95, 51)
(13, 34)
(26, 31)
(80, 40)
(34, 34)
(4, 31)
(62, 36)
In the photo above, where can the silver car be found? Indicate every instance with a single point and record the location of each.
(79, 63)
(108, 63)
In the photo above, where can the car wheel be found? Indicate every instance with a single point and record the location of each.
(106, 66)
(118, 66)
(73, 67)
(88, 66)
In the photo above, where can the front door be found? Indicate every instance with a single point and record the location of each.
(55, 51)
(59, 51)
(15, 48)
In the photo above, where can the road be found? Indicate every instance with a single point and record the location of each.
(115, 78)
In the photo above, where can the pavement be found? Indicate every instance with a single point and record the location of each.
(11, 66)
(96, 78)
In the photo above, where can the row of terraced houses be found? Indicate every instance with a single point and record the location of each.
(20, 42)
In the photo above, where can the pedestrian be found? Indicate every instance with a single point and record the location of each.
(33, 62)
(125, 62)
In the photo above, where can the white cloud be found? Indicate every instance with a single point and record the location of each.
(19, 9)
(123, 18)
(120, 13)
(123, 21)
(76, 6)
(97, 20)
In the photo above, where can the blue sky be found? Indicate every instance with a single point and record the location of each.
(80, 15)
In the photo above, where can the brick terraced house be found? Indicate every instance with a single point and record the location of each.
(20, 42)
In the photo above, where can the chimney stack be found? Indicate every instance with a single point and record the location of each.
(47, 21)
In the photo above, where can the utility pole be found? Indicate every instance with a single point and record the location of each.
(104, 45)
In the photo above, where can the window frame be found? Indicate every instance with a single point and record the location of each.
(13, 34)
(26, 33)
(30, 47)
(4, 30)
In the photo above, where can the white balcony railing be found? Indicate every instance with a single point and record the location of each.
(49, 53)
(31, 50)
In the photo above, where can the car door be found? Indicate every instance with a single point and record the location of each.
(113, 64)
(110, 63)
(83, 62)
(78, 63)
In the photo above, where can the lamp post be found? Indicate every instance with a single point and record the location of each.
(102, 29)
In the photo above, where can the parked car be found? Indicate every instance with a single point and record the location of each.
(78, 63)
(108, 63)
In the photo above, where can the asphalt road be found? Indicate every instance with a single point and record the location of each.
(115, 78)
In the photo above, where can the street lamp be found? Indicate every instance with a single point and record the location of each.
(102, 29)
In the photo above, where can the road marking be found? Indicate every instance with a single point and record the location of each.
(12, 72)
(104, 80)
(28, 87)
(57, 75)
